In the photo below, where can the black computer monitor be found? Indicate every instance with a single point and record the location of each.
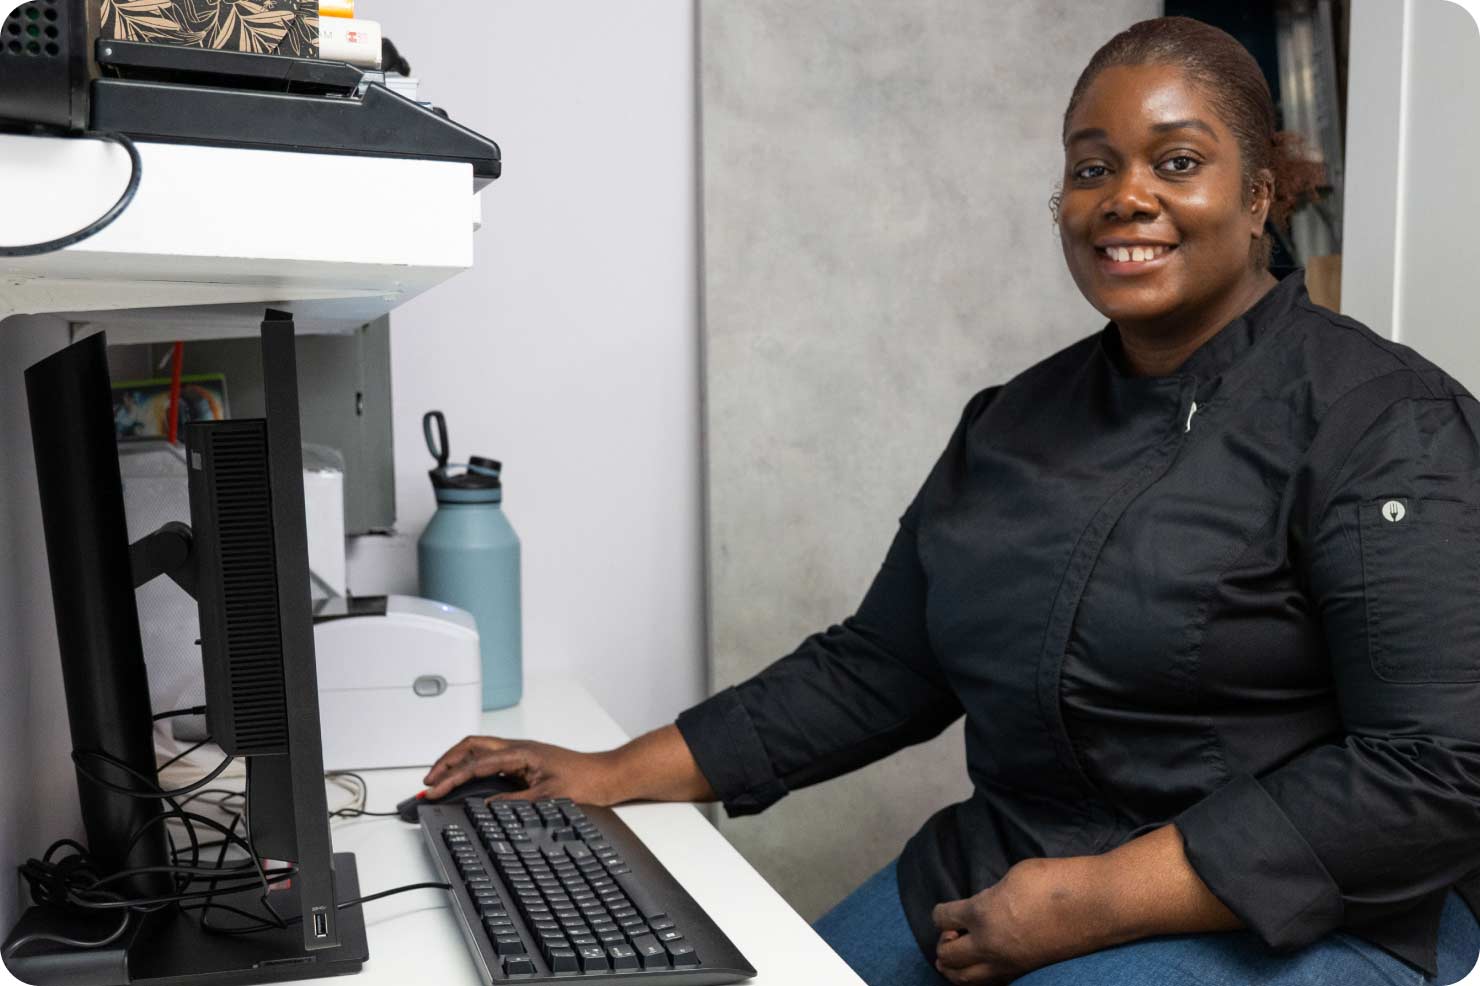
(245, 559)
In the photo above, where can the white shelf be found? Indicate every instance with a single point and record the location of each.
(214, 234)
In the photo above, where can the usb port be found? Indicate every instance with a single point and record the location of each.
(320, 925)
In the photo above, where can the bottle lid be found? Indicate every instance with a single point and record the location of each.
(472, 477)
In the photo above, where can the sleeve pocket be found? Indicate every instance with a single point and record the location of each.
(1421, 569)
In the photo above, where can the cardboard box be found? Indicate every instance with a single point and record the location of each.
(263, 27)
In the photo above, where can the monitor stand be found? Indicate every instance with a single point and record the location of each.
(169, 948)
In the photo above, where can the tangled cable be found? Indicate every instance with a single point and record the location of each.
(69, 877)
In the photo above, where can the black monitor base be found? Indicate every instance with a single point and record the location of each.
(171, 949)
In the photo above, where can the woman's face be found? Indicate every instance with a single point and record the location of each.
(1148, 163)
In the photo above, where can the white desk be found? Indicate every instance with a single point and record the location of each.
(414, 937)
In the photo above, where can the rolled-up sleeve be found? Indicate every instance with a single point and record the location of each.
(1382, 819)
(846, 697)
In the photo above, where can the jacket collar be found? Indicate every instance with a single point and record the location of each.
(1220, 353)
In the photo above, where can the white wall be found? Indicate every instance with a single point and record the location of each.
(570, 351)
(1412, 203)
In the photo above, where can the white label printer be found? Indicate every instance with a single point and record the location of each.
(399, 680)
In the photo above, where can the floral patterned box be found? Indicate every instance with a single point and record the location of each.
(264, 27)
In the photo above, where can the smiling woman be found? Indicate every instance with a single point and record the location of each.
(1201, 585)
(1172, 171)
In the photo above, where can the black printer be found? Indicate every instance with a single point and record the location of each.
(58, 72)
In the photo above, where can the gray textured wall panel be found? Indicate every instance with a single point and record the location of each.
(877, 248)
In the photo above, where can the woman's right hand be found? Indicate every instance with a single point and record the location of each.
(546, 771)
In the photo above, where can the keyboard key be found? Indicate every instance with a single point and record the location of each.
(681, 953)
(593, 959)
(669, 934)
(509, 944)
(611, 937)
(651, 951)
(587, 939)
(660, 922)
(518, 965)
(622, 957)
(563, 960)
(646, 904)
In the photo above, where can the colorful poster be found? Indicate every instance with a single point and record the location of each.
(141, 407)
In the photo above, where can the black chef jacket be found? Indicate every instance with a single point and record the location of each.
(1240, 598)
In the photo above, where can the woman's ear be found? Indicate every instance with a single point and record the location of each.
(1261, 197)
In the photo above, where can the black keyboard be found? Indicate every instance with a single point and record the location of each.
(550, 891)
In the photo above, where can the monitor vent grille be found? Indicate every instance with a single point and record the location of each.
(33, 30)
(254, 648)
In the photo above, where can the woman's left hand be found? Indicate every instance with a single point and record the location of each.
(1042, 911)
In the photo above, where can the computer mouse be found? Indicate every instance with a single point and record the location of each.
(478, 787)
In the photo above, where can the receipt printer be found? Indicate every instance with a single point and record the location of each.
(399, 680)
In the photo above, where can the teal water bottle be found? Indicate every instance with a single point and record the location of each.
(468, 557)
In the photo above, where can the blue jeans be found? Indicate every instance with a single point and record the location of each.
(868, 929)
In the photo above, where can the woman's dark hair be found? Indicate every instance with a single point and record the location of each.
(1231, 80)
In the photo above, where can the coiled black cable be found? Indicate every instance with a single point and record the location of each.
(136, 171)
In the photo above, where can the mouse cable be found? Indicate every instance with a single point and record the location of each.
(360, 811)
(136, 171)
